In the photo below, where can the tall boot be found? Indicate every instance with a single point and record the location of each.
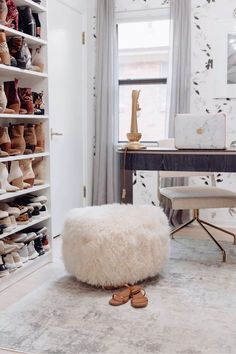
(40, 136)
(26, 20)
(3, 12)
(15, 177)
(17, 138)
(4, 51)
(12, 15)
(27, 170)
(38, 168)
(5, 185)
(5, 142)
(30, 137)
(26, 99)
(3, 99)
(38, 24)
(13, 100)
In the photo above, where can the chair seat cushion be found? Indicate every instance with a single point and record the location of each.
(198, 197)
(111, 245)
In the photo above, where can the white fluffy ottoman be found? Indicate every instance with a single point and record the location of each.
(111, 245)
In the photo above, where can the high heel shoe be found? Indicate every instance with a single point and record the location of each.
(38, 169)
(15, 177)
(3, 99)
(3, 12)
(27, 170)
(40, 136)
(5, 185)
(12, 15)
(30, 137)
(5, 142)
(4, 51)
(37, 60)
(26, 99)
(27, 22)
(13, 100)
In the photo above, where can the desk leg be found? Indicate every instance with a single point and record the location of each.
(126, 186)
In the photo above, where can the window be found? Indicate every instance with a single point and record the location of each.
(143, 64)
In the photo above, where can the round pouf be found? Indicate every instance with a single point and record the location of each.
(111, 245)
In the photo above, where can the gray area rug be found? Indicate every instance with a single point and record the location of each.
(192, 310)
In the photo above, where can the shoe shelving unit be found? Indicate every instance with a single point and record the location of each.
(38, 81)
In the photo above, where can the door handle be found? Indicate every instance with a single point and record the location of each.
(55, 134)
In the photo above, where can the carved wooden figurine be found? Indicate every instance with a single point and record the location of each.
(134, 136)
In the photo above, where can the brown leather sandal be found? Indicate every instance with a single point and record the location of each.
(139, 299)
(123, 296)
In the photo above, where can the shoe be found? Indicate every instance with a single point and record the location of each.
(7, 247)
(7, 223)
(24, 254)
(32, 252)
(13, 221)
(17, 260)
(5, 185)
(3, 269)
(27, 170)
(37, 198)
(40, 137)
(43, 211)
(3, 99)
(19, 237)
(30, 137)
(38, 168)
(38, 24)
(9, 262)
(5, 142)
(39, 246)
(36, 213)
(31, 236)
(3, 12)
(37, 60)
(4, 50)
(13, 100)
(39, 106)
(3, 214)
(16, 132)
(3, 154)
(15, 177)
(9, 210)
(12, 15)
(45, 243)
(16, 49)
(23, 219)
(123, 296)
(26, 20)
(139, 300)
(23, 209)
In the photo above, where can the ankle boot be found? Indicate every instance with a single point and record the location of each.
(15, 177)
(5, 142)
(3, 99)
(27, 170)
(37, 60)
(17, 138)
(30, 137)
(39, 107)
(38, 24)
(12, 15)
(16, 47)
(3, 12)
(40, 136)
(38, 168)
(4, 51)
(5, 185)
(26, 20)
(13, 100)
(26, 99)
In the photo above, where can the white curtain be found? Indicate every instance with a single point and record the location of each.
(179, 79)
(180, 60)
(104, 170)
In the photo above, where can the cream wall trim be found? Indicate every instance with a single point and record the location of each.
(147, 14)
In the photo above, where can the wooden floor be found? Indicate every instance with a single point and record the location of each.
(49, 271)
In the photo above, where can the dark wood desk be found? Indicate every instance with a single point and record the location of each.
(164, 159)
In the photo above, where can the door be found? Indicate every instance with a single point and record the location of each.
(65, 109)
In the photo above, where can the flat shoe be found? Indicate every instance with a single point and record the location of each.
(139, 299)
(123, 296)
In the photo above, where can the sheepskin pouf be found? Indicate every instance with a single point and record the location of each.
(111, 245)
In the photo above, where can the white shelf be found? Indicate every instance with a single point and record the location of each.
(26, 226)
(30, 40)
(34, 6)
(10, 73)
(28, 268)
(10, 195)
(23, 157)
(23, 116)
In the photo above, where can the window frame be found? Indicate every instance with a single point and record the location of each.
(141, 16)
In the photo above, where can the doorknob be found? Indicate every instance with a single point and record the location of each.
(55, 134)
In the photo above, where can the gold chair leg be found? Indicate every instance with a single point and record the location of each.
(181, 227)
(220, 229)
(212, 237)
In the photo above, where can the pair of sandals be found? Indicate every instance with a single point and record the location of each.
(135, 293)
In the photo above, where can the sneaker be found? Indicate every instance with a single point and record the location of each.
(32, 252)
(13, 221)
(35, 198)
(3, 269)
(36, 213)
(3, 214)
(9, 262)
(43, 210)
(19, 237)
(31, 236)
(17, 259)
(6, 248)
(39, 246)
(23, 209)
(23, 219)
(7, 223)
(10, 210)
(7, 241)
(45, 243)
(24, 254)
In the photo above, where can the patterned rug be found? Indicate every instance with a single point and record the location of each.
(192, 310)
